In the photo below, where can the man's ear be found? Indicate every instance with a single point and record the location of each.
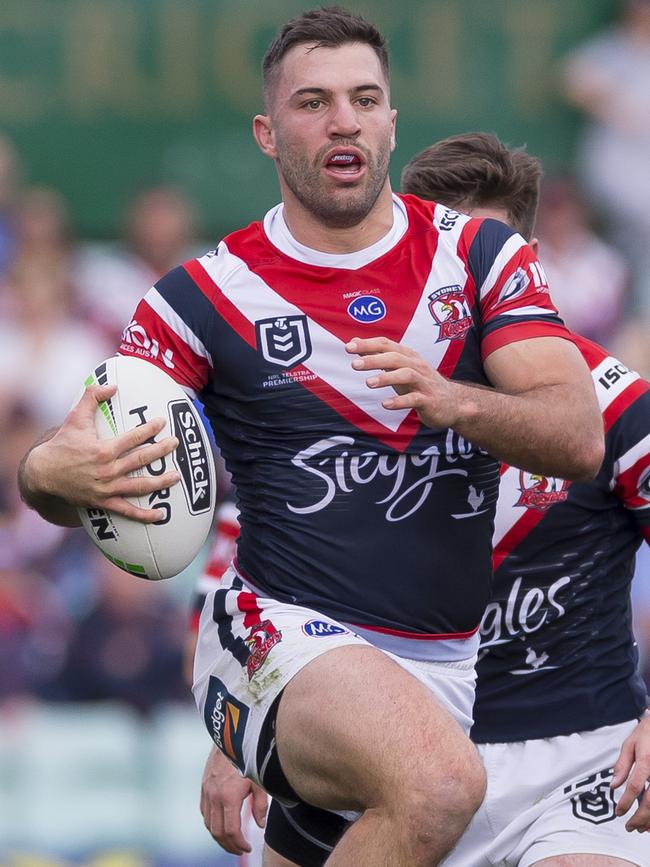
(393, 137)
(534, 243)
(264, 135)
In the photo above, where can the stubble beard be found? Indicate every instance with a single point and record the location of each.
(341, 208)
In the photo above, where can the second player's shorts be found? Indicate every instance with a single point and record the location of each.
(250, 647)
(551, 797)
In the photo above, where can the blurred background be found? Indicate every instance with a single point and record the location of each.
(125, 147)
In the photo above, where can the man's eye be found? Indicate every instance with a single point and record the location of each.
(366, 101)
(314, 104)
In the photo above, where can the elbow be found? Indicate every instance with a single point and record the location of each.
(589, 457)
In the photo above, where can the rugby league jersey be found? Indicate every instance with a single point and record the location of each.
(359, 512)
(557, 650)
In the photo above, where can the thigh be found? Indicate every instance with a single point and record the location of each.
(302, 833)
(354, 727)
(248, 649)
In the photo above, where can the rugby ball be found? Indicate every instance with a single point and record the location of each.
(163, 549)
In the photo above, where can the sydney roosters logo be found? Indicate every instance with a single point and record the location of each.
(262, 637)
(450, 309)
(541, 492)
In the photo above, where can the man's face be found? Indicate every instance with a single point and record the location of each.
(330, 130)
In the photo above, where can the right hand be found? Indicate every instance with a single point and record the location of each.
(78, 468)
(223, 792)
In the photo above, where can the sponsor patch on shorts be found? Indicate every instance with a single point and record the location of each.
(225, 718)
(322, 628)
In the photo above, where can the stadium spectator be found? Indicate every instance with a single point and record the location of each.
(160, 231)
(46, 350)
(10, 183)
(128, 647)
(279, 653)
(608, 77)
(587, 276)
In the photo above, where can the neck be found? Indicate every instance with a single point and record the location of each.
(309, 230)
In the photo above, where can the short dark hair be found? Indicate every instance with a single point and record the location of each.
(478, 170)
(328, 27)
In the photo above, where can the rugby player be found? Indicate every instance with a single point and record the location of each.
(335, 660)
(560, 713)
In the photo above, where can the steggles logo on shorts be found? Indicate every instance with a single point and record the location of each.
(596, 804)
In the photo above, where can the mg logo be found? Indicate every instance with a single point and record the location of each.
(317, 628)
(284, 340)
(367, 308)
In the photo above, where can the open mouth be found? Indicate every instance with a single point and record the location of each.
(344, 163)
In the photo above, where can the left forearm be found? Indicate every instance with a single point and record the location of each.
(551, 430)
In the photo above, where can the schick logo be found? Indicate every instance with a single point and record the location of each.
(191, 457)
(317, 628)
(367, 308)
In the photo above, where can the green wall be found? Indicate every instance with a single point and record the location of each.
(106, 96)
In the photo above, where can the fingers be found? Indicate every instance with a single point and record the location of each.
(84, 411)
(623, 764)
(390, 361)
(138, 458)
(232, 829)
(640, 819)
(634, 791)
(259, 805)
(365, 346)
(127, 509)
(221, 811)
(138, 436)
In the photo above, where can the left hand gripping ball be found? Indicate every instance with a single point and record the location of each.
(163, 549)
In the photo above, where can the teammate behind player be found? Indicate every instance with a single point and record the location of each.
(558, 688)
(346, 680)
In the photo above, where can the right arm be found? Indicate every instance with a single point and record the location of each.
(70, 467)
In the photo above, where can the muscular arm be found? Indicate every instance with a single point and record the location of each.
(541, 415)
(70, 467)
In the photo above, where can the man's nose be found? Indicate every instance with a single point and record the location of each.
(344, 120)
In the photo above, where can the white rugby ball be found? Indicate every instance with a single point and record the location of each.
(163, 549)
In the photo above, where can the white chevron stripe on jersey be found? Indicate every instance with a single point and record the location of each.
(611, 378)
(630, 457)
(169, 316)
(506, 514)
(509, 249)
(256, 300)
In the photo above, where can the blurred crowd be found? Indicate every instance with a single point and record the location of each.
(72, 627)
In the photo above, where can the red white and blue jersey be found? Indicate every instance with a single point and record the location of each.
(557, 651)
(346, 507)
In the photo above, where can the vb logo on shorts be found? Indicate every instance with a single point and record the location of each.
(225, 718)
(593, 800)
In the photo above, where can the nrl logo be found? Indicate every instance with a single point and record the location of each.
(283, 340)
(539, 492)
(450, 309)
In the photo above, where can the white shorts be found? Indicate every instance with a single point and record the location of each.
(249, 647)
(550, 797)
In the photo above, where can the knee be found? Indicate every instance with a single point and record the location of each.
(444, 793)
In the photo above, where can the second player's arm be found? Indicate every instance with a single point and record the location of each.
(541, 415)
